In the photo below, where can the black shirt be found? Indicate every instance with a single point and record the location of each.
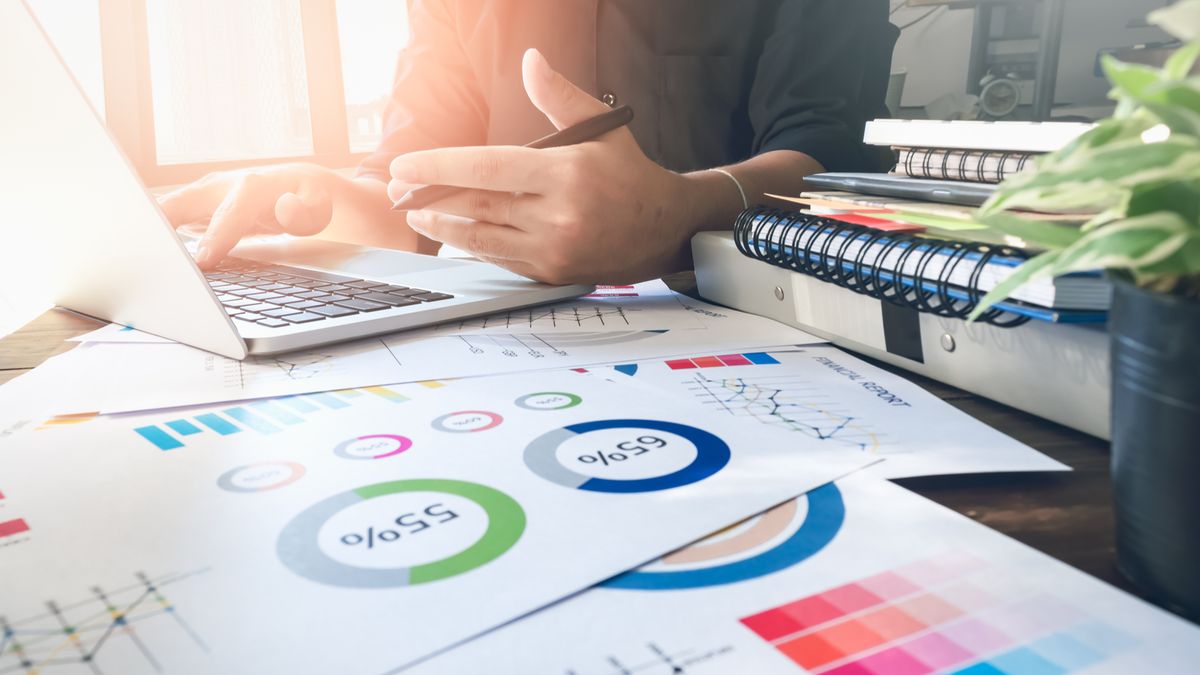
(711, 82)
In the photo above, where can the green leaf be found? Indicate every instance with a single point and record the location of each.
(1129, 79)
(1181, 20)
(1030, 270)
(1040, 233)
(1180, 63)
(1133, 244)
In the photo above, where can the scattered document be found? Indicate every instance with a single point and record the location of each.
(859, 577)
(112, 377)
(360, 530)
(825, 394)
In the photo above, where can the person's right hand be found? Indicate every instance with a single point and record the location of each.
(292, 198)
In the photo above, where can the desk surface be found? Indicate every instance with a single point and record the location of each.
(1066, 515)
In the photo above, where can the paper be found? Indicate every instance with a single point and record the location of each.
(362, 537)
(112, 377)
(823, 393)
(646, 306)
(856, 578)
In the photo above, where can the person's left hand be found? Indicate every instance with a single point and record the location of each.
(597, 212)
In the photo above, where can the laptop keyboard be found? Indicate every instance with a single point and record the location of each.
(277, 295)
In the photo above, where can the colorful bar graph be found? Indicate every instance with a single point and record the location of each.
(161, 439)
(184, 427)
(9, 528)
(217, 423)
(750, 359)
(276, 412)
(931, 616)
(250, 420)
(264, 416)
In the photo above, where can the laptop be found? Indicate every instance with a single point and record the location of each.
(102, 246)
(921, 189)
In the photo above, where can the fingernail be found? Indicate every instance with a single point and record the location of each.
(203, 253)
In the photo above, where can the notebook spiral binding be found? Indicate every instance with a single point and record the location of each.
(776, 237)
(975, 166)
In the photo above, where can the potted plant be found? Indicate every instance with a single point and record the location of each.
(1139, 172)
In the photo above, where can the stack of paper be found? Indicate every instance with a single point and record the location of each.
(441, 502)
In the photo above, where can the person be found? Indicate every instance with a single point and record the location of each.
(732, 100)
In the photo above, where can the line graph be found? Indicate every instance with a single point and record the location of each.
(787, 401)
(81, 632)
(574, 316)
(657, 661)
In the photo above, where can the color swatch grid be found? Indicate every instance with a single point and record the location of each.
(752, 359)
(264, 416)
(932, 617)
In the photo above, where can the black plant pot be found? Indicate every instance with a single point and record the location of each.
(1156, 443)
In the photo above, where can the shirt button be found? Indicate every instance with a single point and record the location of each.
(609, 99)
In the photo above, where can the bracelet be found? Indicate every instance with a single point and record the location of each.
(723, 172)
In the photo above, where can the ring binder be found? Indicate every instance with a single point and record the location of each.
(902, 269)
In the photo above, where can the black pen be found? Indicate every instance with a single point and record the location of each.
(587, 130)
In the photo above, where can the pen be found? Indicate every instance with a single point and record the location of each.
(587, 130)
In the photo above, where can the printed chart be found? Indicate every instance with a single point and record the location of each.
(626, 455)
(262, 416)
(937, 614)
(431, 529)
(131, 624)
(13, 530)
(829, 396)
(765, 544)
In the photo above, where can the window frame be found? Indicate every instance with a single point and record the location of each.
(129, 104)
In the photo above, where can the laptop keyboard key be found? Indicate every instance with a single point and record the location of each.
(260, 308)
(333, 311)
(298, 304)
(266, 297)
(244, 292)
(362, 305)
(302, 317)
(328, 299)
(365, 284)
(279, 312)
(432, 297)
(272, 323)
(249, 316)
(240, 302)
(387, 299)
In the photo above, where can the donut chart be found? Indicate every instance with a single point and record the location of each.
(260, 477)
(825, 515)
(467, 421)
(300, 549)
(541, 456)
(549, 400)
(372, 446)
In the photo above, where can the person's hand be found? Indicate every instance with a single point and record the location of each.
(291, 198)
(597, 212)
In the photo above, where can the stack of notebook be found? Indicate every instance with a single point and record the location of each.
(912, 239)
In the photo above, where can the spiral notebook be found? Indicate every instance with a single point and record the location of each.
(974, 166)
(939, 276)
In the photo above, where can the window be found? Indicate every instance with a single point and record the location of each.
(228, 80)
(371, 33)
(196, 87)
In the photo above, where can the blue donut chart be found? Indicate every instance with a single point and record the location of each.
(826, 513)
(712, 454)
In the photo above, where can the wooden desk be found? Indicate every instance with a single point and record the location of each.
(1068, 516)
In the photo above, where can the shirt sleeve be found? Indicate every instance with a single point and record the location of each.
(822, 74)
(435, 100)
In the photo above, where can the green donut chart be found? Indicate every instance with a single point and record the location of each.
(299, 550)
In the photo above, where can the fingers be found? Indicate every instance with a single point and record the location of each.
(499, 208)
(557, 97)
(483, 240)
(304, 212)
(193, 203)
(244, 210)
(397, 189)
(500, 168)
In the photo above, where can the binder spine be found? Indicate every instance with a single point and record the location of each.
(821, 248)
